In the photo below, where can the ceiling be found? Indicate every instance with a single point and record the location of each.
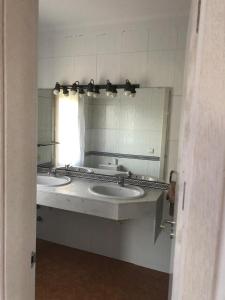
(58, 13)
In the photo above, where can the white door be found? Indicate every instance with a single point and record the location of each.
(202, 156)
(18, 27)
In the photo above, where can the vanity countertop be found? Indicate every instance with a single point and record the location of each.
(77, 197)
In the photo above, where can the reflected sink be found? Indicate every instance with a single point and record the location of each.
(113, 191)
(43, 180)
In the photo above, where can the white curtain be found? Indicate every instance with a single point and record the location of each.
(70, 130)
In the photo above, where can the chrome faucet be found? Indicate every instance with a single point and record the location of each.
(52, 171)
(120, 180)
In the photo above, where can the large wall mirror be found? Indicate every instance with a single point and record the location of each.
(106, 134)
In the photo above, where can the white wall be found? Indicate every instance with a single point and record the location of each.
(150, 53)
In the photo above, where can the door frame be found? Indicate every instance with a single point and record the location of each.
(18, 146)
(1, 156)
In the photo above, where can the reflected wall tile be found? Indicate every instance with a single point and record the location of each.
(127, 116)
(112, 116)
(98, 116)
(97, 140)
(111, 140)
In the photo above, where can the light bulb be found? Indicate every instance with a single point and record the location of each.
(73, 92)
(127, 93)
(108, 93)
(113, 95)
(89, 94)
(56, 92)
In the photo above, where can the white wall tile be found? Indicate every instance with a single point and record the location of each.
(179, 72)
(162, 36)
(108, 67)
(63, 70)
(161, 68)
(85, 44)
(175, 114)
(45, 73)
(85, 68)
(45, 45)
(108, 42)
(182, 28)
(134, 40)
(133, 66)
(63, 45)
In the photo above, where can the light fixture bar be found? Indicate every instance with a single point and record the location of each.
(93, 89)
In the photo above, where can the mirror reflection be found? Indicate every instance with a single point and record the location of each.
(106, 134)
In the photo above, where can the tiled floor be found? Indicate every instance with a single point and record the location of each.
(68, 274)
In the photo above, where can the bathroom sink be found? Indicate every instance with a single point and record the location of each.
(113, 191)
(43, 180)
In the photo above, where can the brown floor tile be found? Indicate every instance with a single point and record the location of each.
(64, 273)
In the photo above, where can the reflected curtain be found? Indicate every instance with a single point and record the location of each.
(70, 130)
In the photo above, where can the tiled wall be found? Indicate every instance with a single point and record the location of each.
(150, 53)
(45, 125)
(129, 126)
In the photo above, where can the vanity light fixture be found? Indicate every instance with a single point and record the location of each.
(94, 90)
(65, 91)
(74, 89)
(114, 92)
(109, 88)
(90, 88)
(132, 91)
(81, 91)
(56, 90)
(127, 89)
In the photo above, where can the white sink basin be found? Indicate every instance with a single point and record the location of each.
(114, 191)
(43, 180)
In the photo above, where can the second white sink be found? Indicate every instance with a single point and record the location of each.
(114, 191)
(43, 180)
